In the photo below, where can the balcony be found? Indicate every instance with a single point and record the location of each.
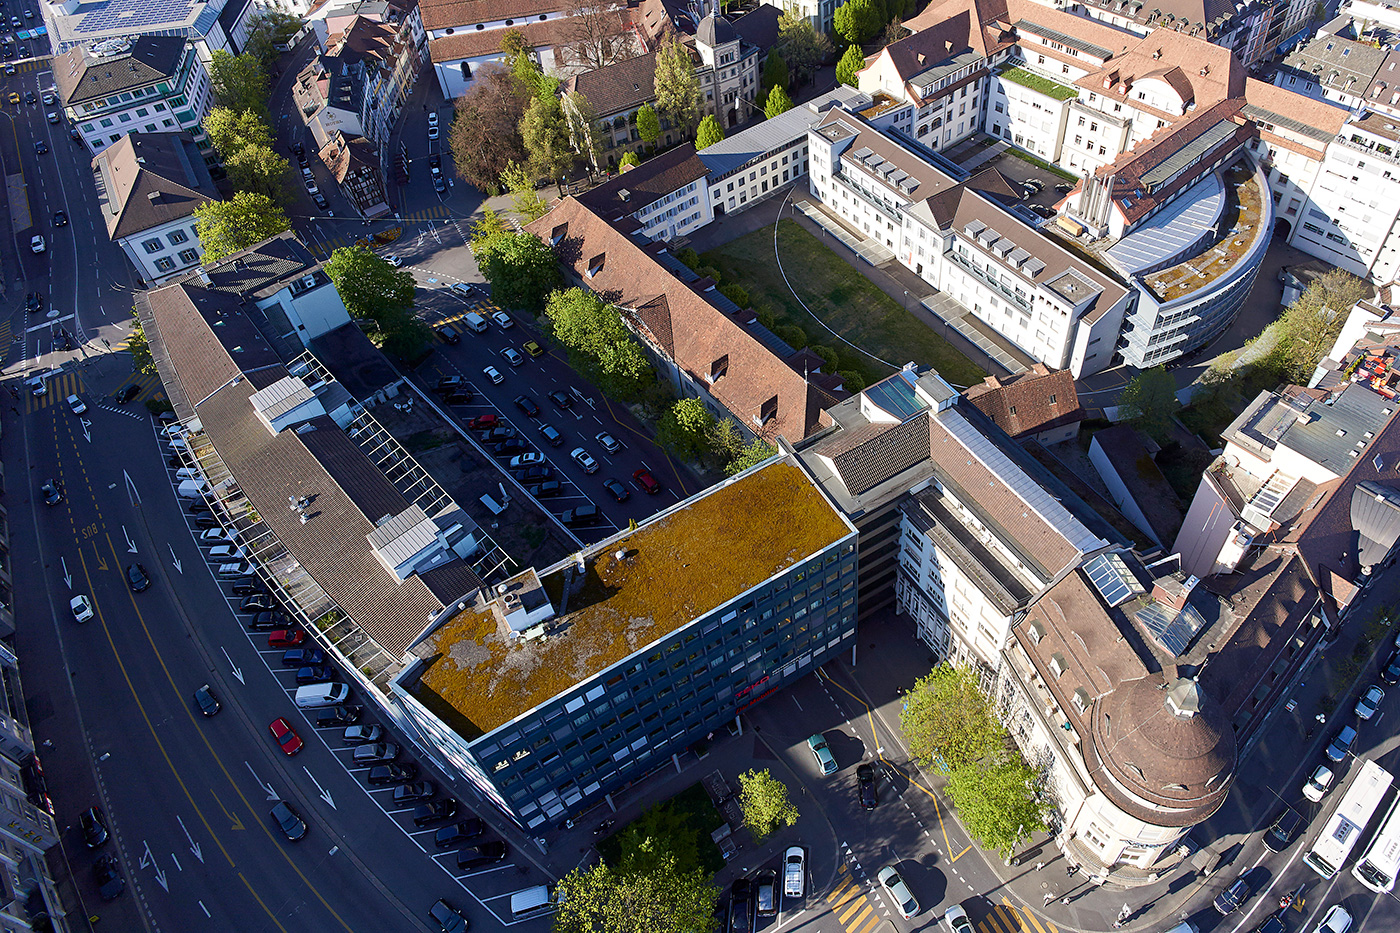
(1019, 301)
(888, 210)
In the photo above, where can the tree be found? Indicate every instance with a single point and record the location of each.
(857, 21)
(725, 441)
(485, 134)
(230, 130)
(629, 159)
(1311, 324)
(545, 133)
(598, 343)
(260, 170)
(801, 46)
(999, 802)
(582, 121)
(225, 227)
(852, 61)
(595, 33)
(530, 80)
(521, 185)
(520, 267)
(946, 720)
(648, 124)
(659, 900)
(662, 830)
(677, 88)
(239, 81)
(893, 32)
(709, 132)
(140, 350)
(778, 102)
(1149, 399)
(685, 428)
(488, 225)
(369, 285)
(764, 800)
(775, 72)
(513, 44)
(268, 30)
(755, 453)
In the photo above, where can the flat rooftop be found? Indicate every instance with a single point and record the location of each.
(676, 567)
(1240, 228)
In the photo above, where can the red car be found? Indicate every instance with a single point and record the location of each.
(484, 422)
(286, 638)
(647, 482)
(286, 737)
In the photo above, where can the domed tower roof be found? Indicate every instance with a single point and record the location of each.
(1168, 744)
(714, 31)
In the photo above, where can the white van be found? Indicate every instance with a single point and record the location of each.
(315, 696)
(476, 322)
(531, 901)
(192, 489)
(185, 473)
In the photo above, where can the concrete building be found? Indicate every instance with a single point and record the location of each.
(202, 23)
(1332, 67)
(819, 13)
(145, 84)
(148, 186)
(560, 700)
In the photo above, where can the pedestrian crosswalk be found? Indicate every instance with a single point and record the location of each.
(60, 386)
(322, 247)
(33, 64)
(857, 912)
(148, 383)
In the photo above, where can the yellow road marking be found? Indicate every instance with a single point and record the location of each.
(860, 917)
(850, 911)
(960, 854)
(874, 922)
(989, 924)
(1029, 915)
(844, 892)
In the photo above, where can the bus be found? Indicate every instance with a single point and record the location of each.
(1344, 827)
(1378, 867)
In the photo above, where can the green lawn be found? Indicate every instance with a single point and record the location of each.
(841, 297)
(1036, 83)
(691, 805)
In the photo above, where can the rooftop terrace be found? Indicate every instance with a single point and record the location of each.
(677, 567)
(1239, 226)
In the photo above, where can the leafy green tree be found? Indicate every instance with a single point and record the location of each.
(368, 284)
(999, 802)
(260, 170)
(225, 227)
(545, 134)
(857, 21)
(521, 269)
(239, 81)
(755, 453)
(775, 72)
(677, 88)
(777, 102)
(140, 350)
(629, 159)
(685, 429)
(404, 336)
(1311, 324)
(268, 30)
(765, 803)
(598, 343)
(1149, 399)
(801, 46)
(709, 133)
(530, 80)
(947, 722)
(661, 830)
(513, 44)
(230, 130)
(852, 61)
(648, 124)
(725, 441)
(486, 226)
(521, 185)
(602, 899)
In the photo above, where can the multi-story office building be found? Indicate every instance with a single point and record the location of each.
(149, 84)
(559, 686)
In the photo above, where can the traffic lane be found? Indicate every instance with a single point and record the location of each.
(34, 266)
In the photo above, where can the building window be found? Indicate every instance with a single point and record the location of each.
(177, 237)
(165, 264)
(153, 245)
(188, 256)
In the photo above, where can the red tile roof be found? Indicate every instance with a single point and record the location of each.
(440, 14)
(1021, 404)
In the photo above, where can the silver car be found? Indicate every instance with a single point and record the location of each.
(898, 891)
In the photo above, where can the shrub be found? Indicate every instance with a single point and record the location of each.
(736, 293)
(792, 335)
(828, 356)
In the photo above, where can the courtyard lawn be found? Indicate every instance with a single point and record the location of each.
(842, 298)
(693, 808)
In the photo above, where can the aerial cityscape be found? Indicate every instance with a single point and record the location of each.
(700, 466)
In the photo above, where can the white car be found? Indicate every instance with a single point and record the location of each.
(432, 118)
(1370, 702)
(225, 552)
(494, 375)
(956, 919)
(898, 891)
(525, 460)
(1336, 920)
(393, 260)
(215, 536)
(36, 243)
(82, 608)
(503, 319)
(608, 442)
(584, 459)
(1318, 784)
(433, 132)
(513, 356)
(78, 406)
(794, 872)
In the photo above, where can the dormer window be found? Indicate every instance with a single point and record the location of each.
(718, 368)
(767, 411)
(1081, 700)
(595, 265)
(1035, 630)
(556, 236)
(1057, 665)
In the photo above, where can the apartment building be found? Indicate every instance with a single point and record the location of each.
(390, 47)
(1333, 67)
(148, 186)
(143, 84)
(332, 94)
(668, 195)
(564, 697)
(1040, 403)
(820, 13)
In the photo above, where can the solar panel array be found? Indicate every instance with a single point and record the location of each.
(1173, 631)
(131, 14)
(1112, 578)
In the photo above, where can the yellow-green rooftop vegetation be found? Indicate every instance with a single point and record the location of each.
(1041, 84)
(1243, 208)
(676, 569)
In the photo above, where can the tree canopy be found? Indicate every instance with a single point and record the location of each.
(1149, 399)
(225, 227)
(765, 803)
(598, 343)
(485, 135)
(648, 124)
(545, 133)
(852, 61)
(999, 802)
(661, 899)
(260, 170)
(269, 29)
(685, 429)
(239, 81)
(754, 453)
(858, 21)
(521, 269)
(140, 349)
(1311, 324)
(777, 102)
(709, 133)
(801, 46)
(677, 88)
(230, 130)
(946, 720)
(582, 121)
(372, 289)
(629, 159)
(595, 33)
(775, 72)
(527, 202)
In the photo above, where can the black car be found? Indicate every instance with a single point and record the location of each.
(1064, 188)
(435, 160)
(1232, 897)
(534, 474)
(412, 793)
(289, 821)
(740, 906)
(448, 334)
(41, 147)
(458, 833)
(258, 602)
(545, 490)
(1272, 924)
(206, 701)
(34, 302)
(497, 434)
(618, 491)
(248, 586)
(29, 97)
(60, 219)
(314, 674)
(865, 783)
(198, 505)
(511, 445)
(301, 657)
(205, 522)
(381, 775)
(448, 918)
(439, 811)
(561, 399)
(136, 578)
(337, 716)
(266, 621)
(460, 397)
(488, 853)
(51, 493)
(74, 135)
(1390, 674)
(1284, 830)
(93, 826)
(107, 873)
(527, 405)
(299, 149)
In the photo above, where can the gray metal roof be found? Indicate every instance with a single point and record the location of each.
(1336, 436)
(1260, 115)
(1188, 153)
(961, 60)
(1375, 514)
(1045, 32)
(1166, 236)
(734, 152)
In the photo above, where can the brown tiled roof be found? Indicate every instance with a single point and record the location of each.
(651, 181)
(1021, 404)
(364, 38)
(1211, 72)
(618, 87)
(440, 14)
(149, 179)
(80, 76)
(1143, 479)
(700, 333)
(1319, 114)
(472, 44)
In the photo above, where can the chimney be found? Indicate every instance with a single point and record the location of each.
(153, 196)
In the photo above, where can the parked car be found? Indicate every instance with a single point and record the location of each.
(107, 874)
(525, 460)
(581, 516)
(497, 434)
(458, 833)
(765, 896)
(1390, 674)
(285, 638)
(794, 872)
(314, 674)
(258, 602)
(487, 853)
(448, 918)
(412, 793)
(511, 445)
(484, 421)
(268, 619)
(534, 474)
(1318, 783)
(93, 825)
(1370, 702)
(381, 775)
(898, 892)
(335, 716)
(741, 906)
(303, 657)
(1341, 744)
(1230, 900)
(363, 735)
(374, 753)
(449, 384)
(439, 811)
(546, 489)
